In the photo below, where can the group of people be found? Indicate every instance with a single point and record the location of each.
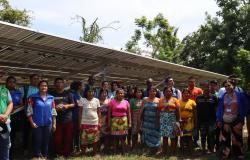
(113, 117)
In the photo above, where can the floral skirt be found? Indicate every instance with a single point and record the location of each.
(167, 121)
(119, 126)
(90, 134)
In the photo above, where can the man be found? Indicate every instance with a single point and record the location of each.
(194, 93)
(63, 137)
(149, 84)
(27, 91)
(206, 117)
(114, 87)
(213, 87)
(169, 81)
(6, 107)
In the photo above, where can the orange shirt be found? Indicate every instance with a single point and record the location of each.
(195, 92)
(168, 106)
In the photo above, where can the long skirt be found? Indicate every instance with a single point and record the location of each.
(187, 126)
(89, 134)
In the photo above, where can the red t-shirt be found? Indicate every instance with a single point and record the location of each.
(195, 92)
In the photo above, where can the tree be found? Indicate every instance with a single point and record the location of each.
(93, 33)
(157, 37)
(15, 16)
(222, 42)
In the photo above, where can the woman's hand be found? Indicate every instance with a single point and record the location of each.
(33, 125)
(3, 118)
(54, 127)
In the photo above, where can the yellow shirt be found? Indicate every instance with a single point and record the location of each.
(186, 108)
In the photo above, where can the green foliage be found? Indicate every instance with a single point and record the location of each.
(157, 37)
(15, 16)
(93, 33)
(222, 43)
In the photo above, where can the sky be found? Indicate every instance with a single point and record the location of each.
(57, 17)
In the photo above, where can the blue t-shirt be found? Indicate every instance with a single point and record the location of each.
(16, 96)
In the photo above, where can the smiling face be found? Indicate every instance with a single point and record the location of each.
(168, 92)
(229, 87)
(120, 94)
(185, 95)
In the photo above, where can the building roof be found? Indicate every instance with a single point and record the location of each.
(24, 51)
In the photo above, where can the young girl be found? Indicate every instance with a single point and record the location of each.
(169, 115)
(135, 107)
(188, 117)
(89, 119)
(104, 101)
(119, 119)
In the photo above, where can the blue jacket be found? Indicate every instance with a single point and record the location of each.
(42, 110)
(243, 106)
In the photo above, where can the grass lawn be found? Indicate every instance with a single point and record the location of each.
(140, 156)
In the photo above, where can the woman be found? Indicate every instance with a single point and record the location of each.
(18, 115)
(169, 115)
(188, 120)
(89, 119)
(135, 107)
(150, 130)
(119, 119)
(42, 117)
(232, 110)
(104, 101)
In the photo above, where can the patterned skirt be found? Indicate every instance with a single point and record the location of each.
(119, 126)
(90, 134)
(167, 121)
(135, 116)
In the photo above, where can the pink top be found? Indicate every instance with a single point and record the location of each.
(119, 109)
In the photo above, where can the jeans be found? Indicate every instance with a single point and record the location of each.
(41, 137)
(5, 145)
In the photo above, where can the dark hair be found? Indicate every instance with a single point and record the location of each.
(191, 77)
(104, 82)
(33, 75)
(154, 88)
(102, 90)
(114, 82)
(119, 89)
(58, 79)
(9, 78)
(75, 85)
(138, 90)
(213, 82)
(166, 88)
(228, 81)
(234, 76)
(43, 81)
(168, 78)
(90, 88)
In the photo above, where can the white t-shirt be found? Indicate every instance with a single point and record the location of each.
(89, 111)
